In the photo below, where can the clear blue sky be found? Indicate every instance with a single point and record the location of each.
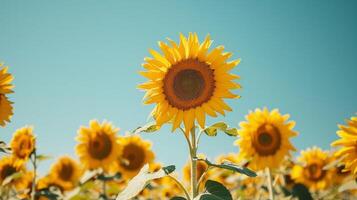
(74, 61)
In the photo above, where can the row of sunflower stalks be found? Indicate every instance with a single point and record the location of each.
(186, 82)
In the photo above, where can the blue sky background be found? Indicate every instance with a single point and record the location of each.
(74, 61)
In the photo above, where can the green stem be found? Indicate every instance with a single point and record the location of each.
(104, 188)
(181, 186)
(34, 164)
(270, 185)
(193, 154)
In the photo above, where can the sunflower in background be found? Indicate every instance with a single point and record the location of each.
(347, 142)
(187, 81)
(310, 170)
(23, 143)
(264, 138)
(66, 172)
(201, 169)
(9, 166)
(24, 185)
(135, 153)
(97, 145)
(5, 88)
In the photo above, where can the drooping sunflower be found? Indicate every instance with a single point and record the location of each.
(135, 153)
(8, 167)
(5, 88)
(97, 147)
(311, 172)
(23, 143)
(264, 138)
(187, 81)
(348, 145)
(66, 172)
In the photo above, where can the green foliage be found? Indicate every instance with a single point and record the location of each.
(301, 192)
(232, 167)
(215, 191)
(220, 126)
(148, 128)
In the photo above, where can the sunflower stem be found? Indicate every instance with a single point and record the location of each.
(194, 187)
(34, 164)
(270, 185)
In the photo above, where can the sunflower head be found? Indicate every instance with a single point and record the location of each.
(187, 81)
(311, 172)
(97, 146)
(8, 167)
(135, 153)
(66, 172)
(264, 138)
(23, 143)
(5, 88)
(348, 144)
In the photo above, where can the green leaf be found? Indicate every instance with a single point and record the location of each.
(178, 198)
(42, 157)
(232, 167)
(301, 192)
(103, 177)
(4, 148)
(216, 190)
(220, 126)
(149, 128)
(138, 183)
(47, 193)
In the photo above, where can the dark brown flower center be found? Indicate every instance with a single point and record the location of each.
(314, 172)
(100, 146)
(133, 157)
(189, 84)
(66, 172)
(267, 140)
(6, 171)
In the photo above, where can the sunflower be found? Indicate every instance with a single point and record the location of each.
(5, 88)
(23, 143)
(187, 81)
(9, 166)
(24, 185)
(264, 138)
(135, 153)
(66, 172)
(348, 141)
(97, 146)
(310, 172)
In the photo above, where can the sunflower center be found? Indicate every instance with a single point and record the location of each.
(315, 172)
(23, 149)
(135, 157)
(6, 171)
(100, 147)
(340, 170)
(66, 172)
(267, 140)
(189, 84)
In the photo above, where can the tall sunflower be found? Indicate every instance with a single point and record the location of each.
(66, 172)
(8, 167)
(348, 141)
(311, 172)
(264, 138)
(5, 88)
(97, 146)
(23, 143)
(187, 81)
(135, 153)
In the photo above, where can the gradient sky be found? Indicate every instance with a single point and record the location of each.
(74, 61)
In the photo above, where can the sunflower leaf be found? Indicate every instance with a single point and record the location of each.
(149, 128)
(232, 167)
(220, 126)
(42, 157)
(178, 198)
(4, 148)
(103, 177)
(138, 183)
(301, 192)
(215, 191)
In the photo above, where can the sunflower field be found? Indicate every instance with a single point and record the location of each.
(187, 81)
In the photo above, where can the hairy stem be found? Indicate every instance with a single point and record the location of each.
(193, 153)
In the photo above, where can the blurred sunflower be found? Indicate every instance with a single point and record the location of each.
(348, 143)
(66, 172)
(201, 169)
(23, 143)
(310, 171)
(264, 138)
(24, 185)
(5, 88)
(187, 81)
(97, 146)
(135, 153)
(9, 166)
(169, 188)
